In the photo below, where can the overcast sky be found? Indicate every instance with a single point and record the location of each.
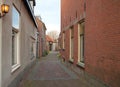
(49, 10)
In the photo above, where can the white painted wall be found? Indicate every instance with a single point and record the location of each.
(0, 47)
(27, 30)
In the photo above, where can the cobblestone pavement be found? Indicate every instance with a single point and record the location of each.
(49, 72)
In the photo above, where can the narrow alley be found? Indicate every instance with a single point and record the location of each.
(59, 43)
(50, 72)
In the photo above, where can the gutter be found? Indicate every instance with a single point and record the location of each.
(30, 10)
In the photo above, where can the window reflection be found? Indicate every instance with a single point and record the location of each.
(15, 18)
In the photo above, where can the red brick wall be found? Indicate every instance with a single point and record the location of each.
(66, 51)
(103, 40)
(75, 43)
(102, 36)
(69, 9)
(70, 13)
(39, 36)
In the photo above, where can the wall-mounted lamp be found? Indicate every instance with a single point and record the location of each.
(4, 10)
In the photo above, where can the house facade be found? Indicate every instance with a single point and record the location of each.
(90, 37)
(41, 45)
(49, 43)
(17, 41)
(55, 45)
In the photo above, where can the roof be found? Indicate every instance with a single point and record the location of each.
(40, 23)
(48, 38)
(29, 8)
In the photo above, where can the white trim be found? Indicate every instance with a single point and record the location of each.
(79, 47)
(17, 44)
(72, 60)
(15, 67)
(78, 42)
(71, 44)
(81, 64)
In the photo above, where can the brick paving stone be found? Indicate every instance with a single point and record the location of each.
(50, 72)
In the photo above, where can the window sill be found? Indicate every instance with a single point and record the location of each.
(32, 57)
(15, 67)
(71, 60)
(81, 64)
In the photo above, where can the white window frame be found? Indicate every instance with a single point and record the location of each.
(32, 48)
(16, 54)
(81, 46)
(71, 48)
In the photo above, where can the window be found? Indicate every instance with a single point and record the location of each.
(71, 44)
(63, 40)
(32, 48)
(15, 18)
(81, 28)
(31, 3)
(82, 42)
(15, 39)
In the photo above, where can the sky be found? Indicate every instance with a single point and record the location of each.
(49, 10)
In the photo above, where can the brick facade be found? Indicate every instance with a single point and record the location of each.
(41, 38)
(101, 36)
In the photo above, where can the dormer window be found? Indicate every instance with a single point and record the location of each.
(32, 3)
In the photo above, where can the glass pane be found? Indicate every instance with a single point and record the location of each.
(82, 48)
(15, 18)
(82, 28)
(14, 60)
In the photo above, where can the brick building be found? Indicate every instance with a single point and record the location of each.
(41, 45)
(90, 37)
(49, 43)
(18, 30)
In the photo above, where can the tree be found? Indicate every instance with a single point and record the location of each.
(53, 34)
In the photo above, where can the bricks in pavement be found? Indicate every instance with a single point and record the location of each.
(50, 72)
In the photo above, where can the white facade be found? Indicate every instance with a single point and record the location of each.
(0, 48)
(10, 73)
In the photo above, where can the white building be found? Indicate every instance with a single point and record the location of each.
(17, 41)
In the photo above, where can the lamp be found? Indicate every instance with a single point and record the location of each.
(4, 10)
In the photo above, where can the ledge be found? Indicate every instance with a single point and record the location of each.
(71, 60)
(81, 64)
(15, 67)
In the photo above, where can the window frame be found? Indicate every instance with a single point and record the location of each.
(15, 63)
(32, 48)
(63, 40)
(71, 44)
(81, 36)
